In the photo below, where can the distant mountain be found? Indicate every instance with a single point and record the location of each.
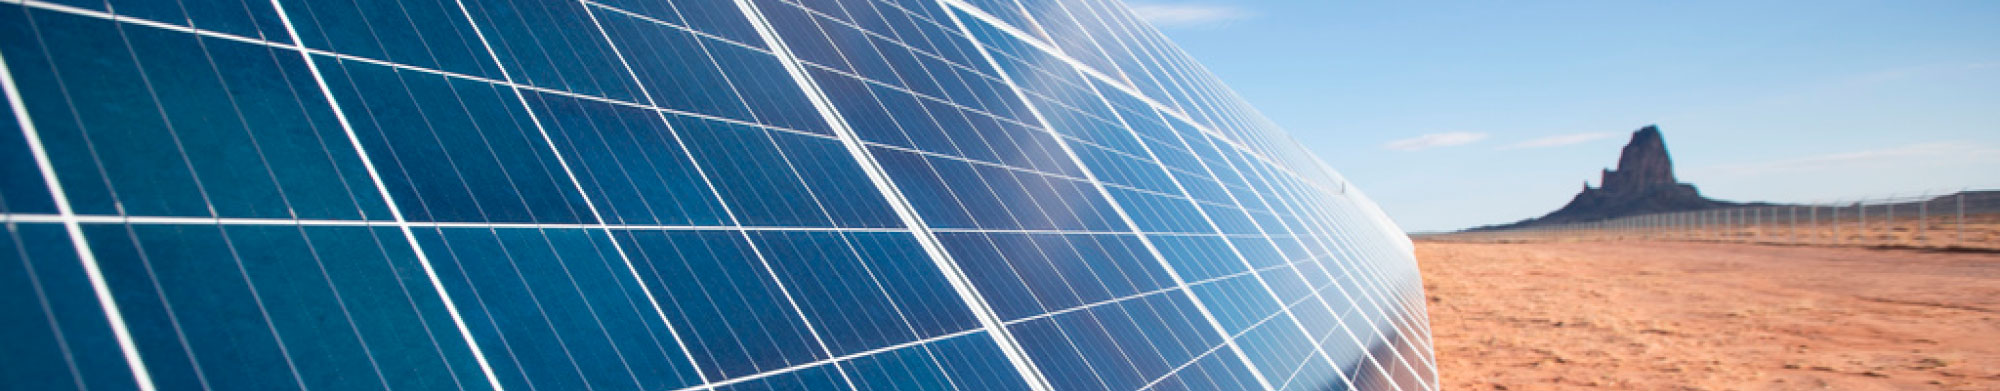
(1643, 184)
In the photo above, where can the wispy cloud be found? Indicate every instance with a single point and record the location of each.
(1924, 153)
(1920, 71)
(1166, 15)
(1560, 140)
(1435, 140)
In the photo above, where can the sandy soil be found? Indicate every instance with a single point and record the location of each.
(1643, 315)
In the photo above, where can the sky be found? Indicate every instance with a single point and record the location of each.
(1457, 114)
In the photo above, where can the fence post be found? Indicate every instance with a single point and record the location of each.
(1923, 219)
(1960, 227)
(1889, 221)
(1861, 222)
(1771, 223)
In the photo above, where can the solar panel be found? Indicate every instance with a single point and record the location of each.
(685, 195)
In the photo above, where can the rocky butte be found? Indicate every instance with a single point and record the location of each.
(1643, 184)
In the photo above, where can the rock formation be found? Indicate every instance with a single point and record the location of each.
(1643, 183)
(1643, 164)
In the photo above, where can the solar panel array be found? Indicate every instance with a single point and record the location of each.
(654, 195)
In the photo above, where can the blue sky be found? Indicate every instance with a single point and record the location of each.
(1455, 114)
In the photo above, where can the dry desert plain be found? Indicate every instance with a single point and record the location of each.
(1656, 315)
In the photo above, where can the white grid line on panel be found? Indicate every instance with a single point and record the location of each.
(135, 363)
(1212, 350)
(753, 18)
(1003, 27)
(1176, 182)
(395, 211)
(811, 194)
(179, 220)
(756, 19)
(644, 106)
(201, 189)
(1127, 314)
(1283, 202)
(39, 4)
(31, 218)
(49, 318)
(1286, 204)
(892, 40)
(823, 362)
(1066, 137)
(1145, 66)
(1403, 319)
(687, 351)
(588, 204)
(1371, 300)
(959, 105)
(389, 200)
(1322, 354)
(1184, 118)
(1191, 362)
(1253, 190)
(1155, 252)
(960, 283)
(1036, 246)
(710, 185)
(1093, 116)
(891, 196)
(1092, 39)
(1190, 285)
(649, 107)
(1147, 148)
(1320, 341)
(1289, 200)
(340, 301)
(588, 4)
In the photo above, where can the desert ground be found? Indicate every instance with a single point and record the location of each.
(1658, 315)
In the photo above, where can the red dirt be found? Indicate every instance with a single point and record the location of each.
(1641, 315)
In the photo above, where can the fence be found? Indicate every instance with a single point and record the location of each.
(1963, 220)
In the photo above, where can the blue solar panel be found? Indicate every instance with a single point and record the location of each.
(654, 195)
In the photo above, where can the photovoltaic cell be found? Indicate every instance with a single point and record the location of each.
(668, 195)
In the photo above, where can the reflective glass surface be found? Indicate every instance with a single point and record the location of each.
(668, 195)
